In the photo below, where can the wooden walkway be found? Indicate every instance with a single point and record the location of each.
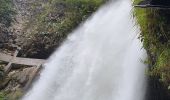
(22, 61)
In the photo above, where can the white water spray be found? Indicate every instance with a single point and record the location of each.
(101, 60)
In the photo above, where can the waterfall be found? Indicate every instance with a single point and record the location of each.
(100, 60)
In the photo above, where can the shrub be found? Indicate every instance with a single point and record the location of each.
(51, 27)
(6, 12)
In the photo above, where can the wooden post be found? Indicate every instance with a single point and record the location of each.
(8, 67)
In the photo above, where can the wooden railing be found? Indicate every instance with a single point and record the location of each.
(22, 61)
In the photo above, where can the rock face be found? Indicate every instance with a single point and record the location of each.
(14, 82)
(3, 35)
(18, 78)
(25, 9)
(161, 2)
(6, 37)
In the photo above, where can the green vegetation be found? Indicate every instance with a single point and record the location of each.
(155, 34)
(2, 96)
(6, 12)
(50, 27)
(16, 95)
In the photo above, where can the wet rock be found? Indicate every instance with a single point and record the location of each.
(1, 75)
(1, 45)
(22, 76)
(4, 83)
(1, 72)
(17, 79)
(15, 95)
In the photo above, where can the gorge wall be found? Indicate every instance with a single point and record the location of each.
(155, 34)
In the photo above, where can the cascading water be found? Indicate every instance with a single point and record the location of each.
(101, 60)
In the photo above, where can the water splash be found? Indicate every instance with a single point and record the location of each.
(101, 60)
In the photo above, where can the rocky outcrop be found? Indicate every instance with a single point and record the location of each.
(20, 77)
(16, 81)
